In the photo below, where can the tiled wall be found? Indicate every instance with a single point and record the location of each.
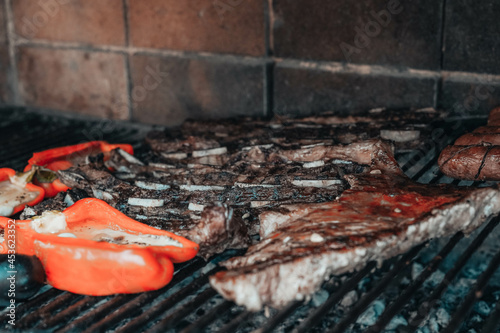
(161, 61)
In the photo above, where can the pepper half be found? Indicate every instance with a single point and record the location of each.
(91, 248)
(63, 158)
(16, 191)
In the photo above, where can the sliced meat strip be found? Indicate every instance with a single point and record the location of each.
(471, 162)
(487, 130)
(474, 139)
(476, 155)
(494, 118)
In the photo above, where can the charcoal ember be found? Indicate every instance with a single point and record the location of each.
(382, 214)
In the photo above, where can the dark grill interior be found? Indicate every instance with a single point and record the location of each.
(447, 284)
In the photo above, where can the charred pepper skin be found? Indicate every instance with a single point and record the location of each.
(60, 159)
(5, 176)
(91, 267)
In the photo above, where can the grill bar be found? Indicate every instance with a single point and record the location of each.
(70, 312)
(96, 314)
(34, 303)
(400, 302)
(136, 301)
(46, 311)
(209, 317)
(493, 322)
(475, 293)
(314, 318)
(452, 273)
(237, 321)
(279, 317)
(369, 297)
(172, 320)
(167, 303)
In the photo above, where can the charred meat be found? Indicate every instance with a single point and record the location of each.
(383, 214)
(476, 155)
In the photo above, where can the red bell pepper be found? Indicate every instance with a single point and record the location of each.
(63, 158)
(97, 261)
(16, 191)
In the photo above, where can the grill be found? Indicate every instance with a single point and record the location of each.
(446, 284)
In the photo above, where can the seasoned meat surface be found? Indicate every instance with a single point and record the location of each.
(476, 155)
(215, 229)
(192, 173)
(383, 214)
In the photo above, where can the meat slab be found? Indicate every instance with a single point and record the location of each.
(476, 155)
(383, 214)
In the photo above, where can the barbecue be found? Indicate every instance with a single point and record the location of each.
(341, 299)
(382, 214)
(175, 189)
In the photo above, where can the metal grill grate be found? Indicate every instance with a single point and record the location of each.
(421, 286)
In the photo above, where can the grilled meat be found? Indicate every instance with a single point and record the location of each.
(403, 128)
(216, 229)
(173, 198)
(249, 166)
(383, 214)
(476, 155)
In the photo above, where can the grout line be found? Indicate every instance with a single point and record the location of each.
(438, 86)
(131, 50)
(11, 37)
(269, 19)
(439, 83)
(471, 77)
(329, 66)
(128, 72)
(342, 67)
(271, 26)
(269, 90)
(267, 68)
(443, 27)
(125, 23)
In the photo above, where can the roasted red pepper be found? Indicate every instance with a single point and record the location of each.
(16, 191)
(91, 248)
(63, 158)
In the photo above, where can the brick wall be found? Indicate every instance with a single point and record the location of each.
(161, 61)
